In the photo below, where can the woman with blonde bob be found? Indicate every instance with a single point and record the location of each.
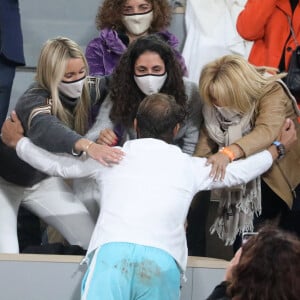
(55, 112)
(244, 110)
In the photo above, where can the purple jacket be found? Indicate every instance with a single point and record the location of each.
(104, 52)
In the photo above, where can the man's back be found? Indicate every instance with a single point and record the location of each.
(146, 197)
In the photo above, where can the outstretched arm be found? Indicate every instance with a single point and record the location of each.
(12, 132)
(244, 170)
(221, 159)
(62, 165)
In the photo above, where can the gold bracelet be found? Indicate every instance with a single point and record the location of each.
(86, 148)
(228, 152)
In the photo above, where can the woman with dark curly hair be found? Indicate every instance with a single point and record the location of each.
(148, 66)
(122, 21)
(266, 267)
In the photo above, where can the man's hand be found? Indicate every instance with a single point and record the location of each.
(12, 130)
(220, 160)
(288, 134)
(287, 137)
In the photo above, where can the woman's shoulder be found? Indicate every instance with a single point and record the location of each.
(104, 34)
(279, 92)
(191, 88)
(190, 83)
(110, 37)
(34, 101)
(34, 94)
(107, 39)
(276, 88)
(169, 37)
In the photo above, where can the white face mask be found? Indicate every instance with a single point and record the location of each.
(228, 113)
(150, 84)
(72, 89)
(138, 24)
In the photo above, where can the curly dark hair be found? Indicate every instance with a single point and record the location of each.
(109, 15)
(125, 94)
(269, 267)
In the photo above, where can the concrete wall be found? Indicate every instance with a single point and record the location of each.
(49, 277)
(75, 19)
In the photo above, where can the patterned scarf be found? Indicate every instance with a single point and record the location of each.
(237, 205)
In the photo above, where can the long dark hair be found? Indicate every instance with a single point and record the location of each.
(125, 94)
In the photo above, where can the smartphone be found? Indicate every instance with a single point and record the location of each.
(247, 235)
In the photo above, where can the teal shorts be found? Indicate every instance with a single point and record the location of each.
(125, 271)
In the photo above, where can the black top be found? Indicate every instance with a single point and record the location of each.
(219, 292)
(293, 4)
(281, 66)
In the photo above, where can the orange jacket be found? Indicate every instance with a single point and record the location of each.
(265, 22)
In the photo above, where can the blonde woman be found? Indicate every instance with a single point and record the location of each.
(54, 112)
(243, 112)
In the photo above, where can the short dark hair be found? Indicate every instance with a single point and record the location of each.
(158, 115)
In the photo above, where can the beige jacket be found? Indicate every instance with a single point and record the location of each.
(271, 111)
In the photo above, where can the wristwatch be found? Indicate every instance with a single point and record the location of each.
(280, 149)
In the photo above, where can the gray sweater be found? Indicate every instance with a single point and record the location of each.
(44, 129)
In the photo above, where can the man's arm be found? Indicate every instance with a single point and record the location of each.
(12, 131)
(62, 165)
(244, 170)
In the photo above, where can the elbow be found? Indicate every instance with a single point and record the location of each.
(246, 31)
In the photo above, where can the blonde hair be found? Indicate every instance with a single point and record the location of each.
(51, 67)
(235, 83)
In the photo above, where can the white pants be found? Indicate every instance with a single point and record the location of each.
(53, 201)
(88, 191)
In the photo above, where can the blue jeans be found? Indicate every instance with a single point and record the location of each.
(125, 271)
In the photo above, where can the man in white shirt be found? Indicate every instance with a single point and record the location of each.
(138, 248)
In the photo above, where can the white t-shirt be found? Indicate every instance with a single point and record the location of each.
(146, 197)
